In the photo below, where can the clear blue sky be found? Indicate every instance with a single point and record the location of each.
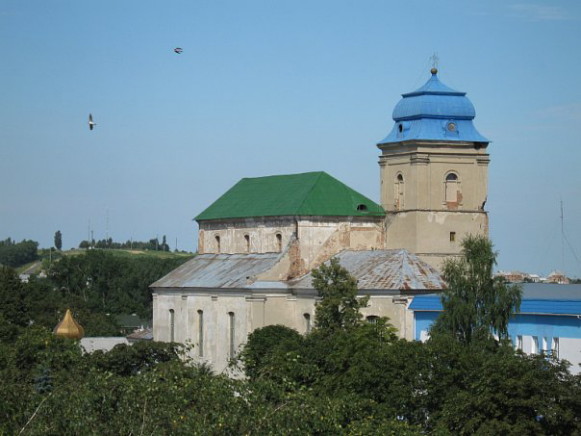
(272, 87)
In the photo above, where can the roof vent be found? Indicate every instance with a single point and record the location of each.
(361, 207)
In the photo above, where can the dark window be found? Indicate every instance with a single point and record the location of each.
(307, 317)
(171, 325)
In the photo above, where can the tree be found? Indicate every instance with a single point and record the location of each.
(262, 343)
(58, 240)
(339, 307)
(476, 304)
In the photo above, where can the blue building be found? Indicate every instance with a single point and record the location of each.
(549, 320)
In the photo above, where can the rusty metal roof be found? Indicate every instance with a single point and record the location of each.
(384, 269)
(376, 269)
(218, 271)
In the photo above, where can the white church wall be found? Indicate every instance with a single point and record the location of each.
(251, 310)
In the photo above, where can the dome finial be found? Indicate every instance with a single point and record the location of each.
(434, 58)
(69, 328)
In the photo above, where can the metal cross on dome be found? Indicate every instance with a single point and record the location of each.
(435, 59)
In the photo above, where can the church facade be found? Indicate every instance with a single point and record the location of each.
(258, 243)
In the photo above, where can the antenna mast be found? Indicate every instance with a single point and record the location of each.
(562, 239)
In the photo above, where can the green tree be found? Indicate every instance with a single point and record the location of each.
(58, 240)
(339, 307)
(262, 343)
(476, 304)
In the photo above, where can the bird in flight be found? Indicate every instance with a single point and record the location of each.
(178, 50)
(91, 123)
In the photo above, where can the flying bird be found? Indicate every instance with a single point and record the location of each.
(178, 50)
(91, 123)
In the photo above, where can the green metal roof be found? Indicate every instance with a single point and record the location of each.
(306, 194)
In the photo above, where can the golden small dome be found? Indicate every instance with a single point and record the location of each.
(434, 70)
(69, 328)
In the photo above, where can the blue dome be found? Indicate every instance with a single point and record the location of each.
(434, 112)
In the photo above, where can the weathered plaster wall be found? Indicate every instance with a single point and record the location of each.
(252, 310)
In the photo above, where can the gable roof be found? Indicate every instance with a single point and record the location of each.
(306, 194)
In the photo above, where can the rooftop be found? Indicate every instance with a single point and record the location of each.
(306, 194)
(434, 112)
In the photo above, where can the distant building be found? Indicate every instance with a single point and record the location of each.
(557, 277)
(549, 320)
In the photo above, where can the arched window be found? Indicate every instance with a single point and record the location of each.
(247, 242)
(201, 333)
(451, 190)
(232, 332)
(399, 192)
(217, 243)
(307, 317)
(171, 325)
(279, 242)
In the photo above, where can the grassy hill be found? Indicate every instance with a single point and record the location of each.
(46, 256)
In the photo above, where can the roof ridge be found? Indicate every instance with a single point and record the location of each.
(311, 189)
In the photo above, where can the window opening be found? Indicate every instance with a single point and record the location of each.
(399, 192)
(307, 317)
(361, 207)
(218, 244)
(535, 345)
(452, 236)
(201, 333)
(555, 347)
(247, 241)
(279, 242)
(545, 343)
(171, 325)
(372, 319)
(232, 333)
(451, 191)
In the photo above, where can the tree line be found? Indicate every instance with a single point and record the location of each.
(15, 254)
(153, 244)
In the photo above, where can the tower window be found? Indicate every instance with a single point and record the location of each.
(399, 192)
(247, 241)
(217, 244)
(452, 195)
(279, 242)
(452, 236)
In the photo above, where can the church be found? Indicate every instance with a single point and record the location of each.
(259, 242)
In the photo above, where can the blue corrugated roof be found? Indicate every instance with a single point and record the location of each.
(434, 112)
(547, 304)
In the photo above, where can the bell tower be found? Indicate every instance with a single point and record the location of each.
(434, 173)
